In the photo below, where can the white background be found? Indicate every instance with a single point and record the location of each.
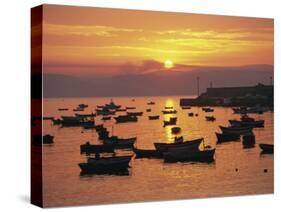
(15, 106)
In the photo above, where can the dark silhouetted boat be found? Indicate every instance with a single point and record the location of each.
(169, 111)
(130, 108)
(120, 143)
(151, 103)
(172, 121)
(192, 144)
(134, 113)
(225, 137)
(126, 118)
(189, 155)
(147, 153)
(168, 107)
(236, 130)
(78, 109)
(153, 117)
(185, 107)
(105, 112)
(62, 109)
(207, 109)
(148, 110)
(210, 118)
(95, 148)
(105, 165)
(267, 148)
(245, 110)
(190, 114)
(82, 105)
(71, 121)
(175, 130)
(112, 105)
(84, 116)
(105, 118)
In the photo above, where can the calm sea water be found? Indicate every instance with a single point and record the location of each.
(152, 179)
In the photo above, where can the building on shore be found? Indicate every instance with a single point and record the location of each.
(233, 96)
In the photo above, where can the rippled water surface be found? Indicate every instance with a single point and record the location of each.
(152, 179)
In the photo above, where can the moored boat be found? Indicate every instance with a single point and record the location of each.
(105, 164)
(119, 143)
(175, 130)
(153, 117)
(192, 144)
(210, 118)
(95, 148)
(169, 111)
(126, 118)
(267, 148)
(225, 137)
(172, 121)
(236, 130)
(147, 153)
(134, 113)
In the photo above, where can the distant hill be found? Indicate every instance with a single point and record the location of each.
(157, 83)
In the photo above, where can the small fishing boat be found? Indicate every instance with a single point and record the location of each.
(225, 137)
(192, 144)
(189, 155)
(258, 124)
(153, 117)
(106, 118)
(236, 130)
(95, 148)
(151, 103)
(83, 116)
(71, 121)
(112, 105)
(62, 109)
(190, 114)
(78, 109)
(210, 118)
(105, 112)
(148, 110)
(82, 105)
(176, 130)
(169, 111)
(130, 108)
(185, 107)
(267, 148)
(207, 109)
(126, 118)
(120, 143)
(147, 153)
(134, 113)
(172, 121)
(105, 164)
(168, 107)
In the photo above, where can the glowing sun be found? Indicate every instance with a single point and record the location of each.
(168, 64)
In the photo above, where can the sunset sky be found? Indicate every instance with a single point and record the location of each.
(85, 40)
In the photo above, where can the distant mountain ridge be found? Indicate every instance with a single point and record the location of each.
(157, 83)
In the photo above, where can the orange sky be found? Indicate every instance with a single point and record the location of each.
(85, 38)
